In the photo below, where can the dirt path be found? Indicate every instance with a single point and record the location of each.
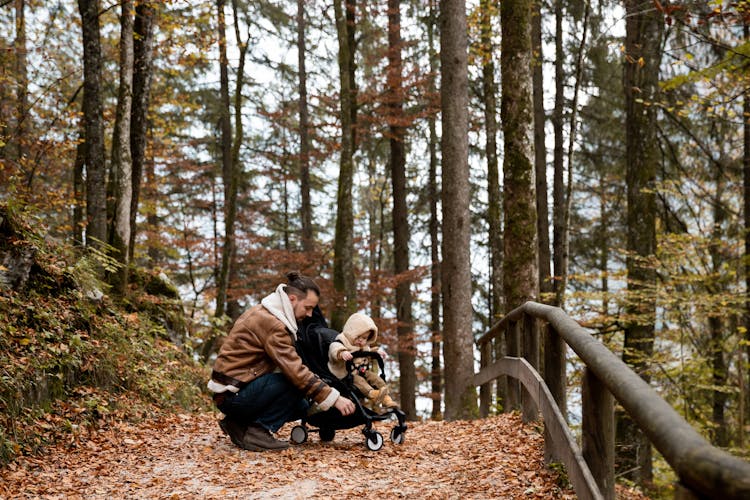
(187, 456)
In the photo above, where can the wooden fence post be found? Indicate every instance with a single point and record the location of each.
(555, 378)
(598, 433)
(485, 390)
(531, 353)
(514, 386)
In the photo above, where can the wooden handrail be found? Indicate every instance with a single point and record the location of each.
(702, 468)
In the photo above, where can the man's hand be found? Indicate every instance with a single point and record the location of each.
(344, 405)
(346, 355)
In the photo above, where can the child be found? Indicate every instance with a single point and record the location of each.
(358, 334)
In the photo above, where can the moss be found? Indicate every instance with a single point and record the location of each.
(69, 362)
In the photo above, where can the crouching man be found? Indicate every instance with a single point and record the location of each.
(258, 380)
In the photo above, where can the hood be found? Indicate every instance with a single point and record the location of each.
(358, 324)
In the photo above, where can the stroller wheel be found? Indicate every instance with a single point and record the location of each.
(299, 434)
(327, 434)
(374, 441)
(397, 435)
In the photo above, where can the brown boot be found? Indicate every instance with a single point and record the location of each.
(233, 429)
(258, 438)
(374, 395)
(388, 402)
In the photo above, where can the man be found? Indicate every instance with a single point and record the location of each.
(258, 380)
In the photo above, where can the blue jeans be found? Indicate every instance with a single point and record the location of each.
(270, 400)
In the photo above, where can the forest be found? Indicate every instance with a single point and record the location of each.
(433, 163)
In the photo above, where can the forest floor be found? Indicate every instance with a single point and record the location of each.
(187, 456)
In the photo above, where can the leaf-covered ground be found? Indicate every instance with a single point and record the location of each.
(187, 456)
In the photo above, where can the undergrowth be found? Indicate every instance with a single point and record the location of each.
(70, 363)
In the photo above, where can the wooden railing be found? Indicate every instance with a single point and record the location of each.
(703, 470)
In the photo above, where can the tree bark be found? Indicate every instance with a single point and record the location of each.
(558, 179)
(79, 191)
(96, 175)
(460, 395)
(227, 167)
(22, 85)
(143, 40)
(122, 161)
(304, 141)
(540, 155)
(746, 198)
(643, 33)
(343, 265)
(519, 201)
(436, 379)
(716, 324)
(407, 350)
(494, 210)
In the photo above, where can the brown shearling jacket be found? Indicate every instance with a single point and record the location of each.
(259, 344)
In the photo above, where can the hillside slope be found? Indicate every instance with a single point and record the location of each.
(73, 359)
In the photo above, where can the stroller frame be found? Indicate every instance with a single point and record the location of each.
(331, 420)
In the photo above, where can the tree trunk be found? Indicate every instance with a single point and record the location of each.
(746, 196)
(540, 155)
(494, 210)
(227, 168)
(520, 273)
(603, 241)
(643, 31)
(407, 351)
(96, 175)
(351, 24)
(22, 85)
(716, 325)
(343, 259)
(436, 379)
(143, 40)
(558, 180)
(460, 395)
(79, 191)
(304, 141)
(572, 133)
(122, 166)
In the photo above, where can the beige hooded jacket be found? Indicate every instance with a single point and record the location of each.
(356, 325)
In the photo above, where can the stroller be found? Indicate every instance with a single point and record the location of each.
(313, 339)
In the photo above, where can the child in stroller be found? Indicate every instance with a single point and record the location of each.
(314, 341)
(359, 333)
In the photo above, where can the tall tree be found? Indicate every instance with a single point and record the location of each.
(436, 379)
(22, 82)
(540, 153)
(396, 123)
(494, 200)
(96, 175)
(304, 140)
(716, 323)
(494, 211)
(520, 272)
(643, 34)
(558, 179)
(143, 41)
(745, 405)
(227, 166)
(460, 395)
(343, 258)
(122, 161)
